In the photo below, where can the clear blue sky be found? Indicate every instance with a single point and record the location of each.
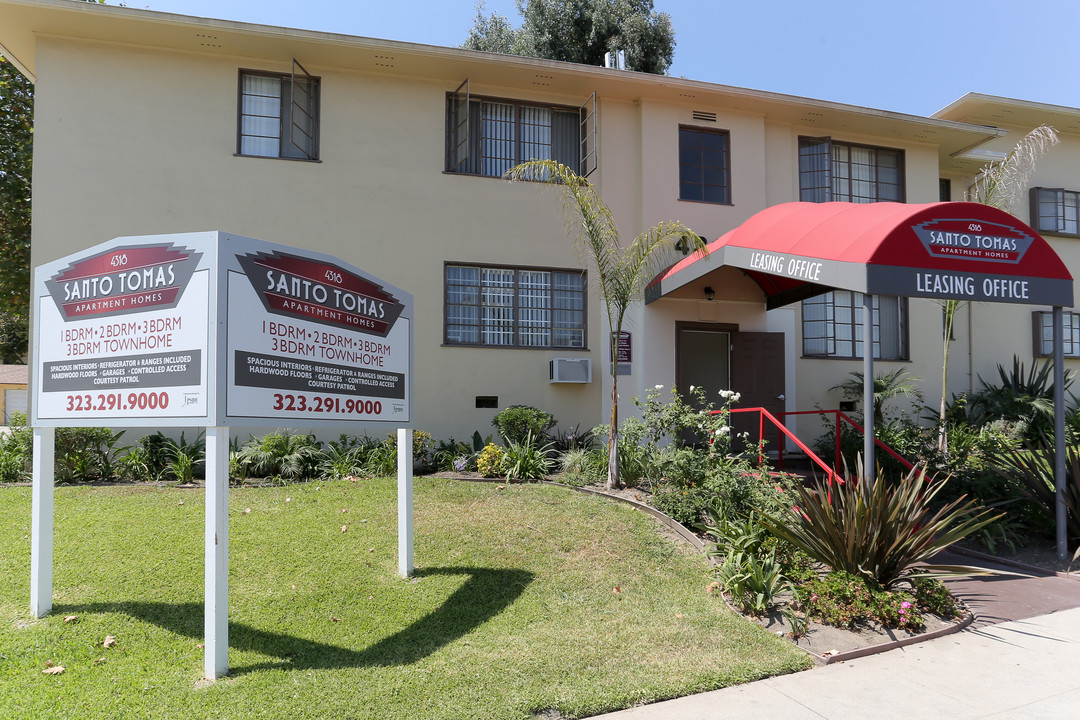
(913, 56)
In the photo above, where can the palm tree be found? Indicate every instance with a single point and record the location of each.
(999, 184)
(623, 271)
(886, 387)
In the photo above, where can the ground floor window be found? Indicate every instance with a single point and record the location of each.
(514, 307)
(1043, 328)
(832, 326)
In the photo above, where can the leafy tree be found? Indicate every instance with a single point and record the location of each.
(580, 31)
(16, 154)
(16, 135)
(622, 271)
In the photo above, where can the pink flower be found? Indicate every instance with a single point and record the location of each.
(905, 604)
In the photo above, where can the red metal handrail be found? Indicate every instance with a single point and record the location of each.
(840, 415)
(764, 414)
(782, 430)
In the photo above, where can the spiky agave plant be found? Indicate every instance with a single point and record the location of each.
(879, 530)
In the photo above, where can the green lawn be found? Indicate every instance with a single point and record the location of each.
(513, 608)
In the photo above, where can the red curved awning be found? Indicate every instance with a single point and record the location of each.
(950, 250)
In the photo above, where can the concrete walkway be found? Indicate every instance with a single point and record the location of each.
(1017, 669)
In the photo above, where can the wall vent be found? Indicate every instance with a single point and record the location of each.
(703, 115)
(570, 370)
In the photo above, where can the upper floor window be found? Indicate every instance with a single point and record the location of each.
(836, 171)
(279, 114)
(1056, 211)
(515, 307)
(488, 136)
(1043, 330)
(704, 165)
(832, 326)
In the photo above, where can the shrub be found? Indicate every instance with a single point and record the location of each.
(692, 482)
(583, 467)
(282, 455)
(527, 461)
(134, 465)
(564, 441)
(381, 458)
(517, 422)
(1032, 470)
(16, 450)
(1024, 398)
(86, 454)
(184, 460)
(491, 462)
(751, 580)
(842, 599)
(877, 530)
(447, 453)
(341, 460)
(156, 447)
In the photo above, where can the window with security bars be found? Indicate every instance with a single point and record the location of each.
(488, 136)
(836, 171)
(515, 307)
(279, 114)
(1057, 211)
(704, 165)
(1043, 330)
(832, 326)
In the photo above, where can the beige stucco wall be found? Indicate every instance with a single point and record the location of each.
(133, 141)
(113, 160)
(989, 334)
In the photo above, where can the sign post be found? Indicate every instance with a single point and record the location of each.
(213, 330)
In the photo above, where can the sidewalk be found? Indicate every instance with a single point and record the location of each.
(1019, 659)
(1017, 669)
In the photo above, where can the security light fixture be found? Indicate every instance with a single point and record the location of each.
(709, 294)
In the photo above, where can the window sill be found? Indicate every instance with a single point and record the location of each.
(549, 348)
(706, 202)
(277, 157)
(1059, 233)
(852, 358)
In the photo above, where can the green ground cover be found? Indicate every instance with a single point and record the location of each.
(513, 609)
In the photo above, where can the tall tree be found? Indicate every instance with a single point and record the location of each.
(621, 272)
(16, 137)
(16, 156)
(581, 31)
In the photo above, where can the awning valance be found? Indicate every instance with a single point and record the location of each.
(949, 250)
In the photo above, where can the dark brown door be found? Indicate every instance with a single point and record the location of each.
(757, 374)
(702, 360)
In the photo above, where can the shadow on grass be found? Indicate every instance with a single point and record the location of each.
(485, 594)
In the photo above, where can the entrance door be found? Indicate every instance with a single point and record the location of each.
(757, 374)
(703, 358)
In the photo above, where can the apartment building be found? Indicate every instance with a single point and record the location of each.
(390, 156)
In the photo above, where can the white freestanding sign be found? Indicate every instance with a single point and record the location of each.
(213, 330)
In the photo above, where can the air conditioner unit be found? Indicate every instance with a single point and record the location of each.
(570, 370)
